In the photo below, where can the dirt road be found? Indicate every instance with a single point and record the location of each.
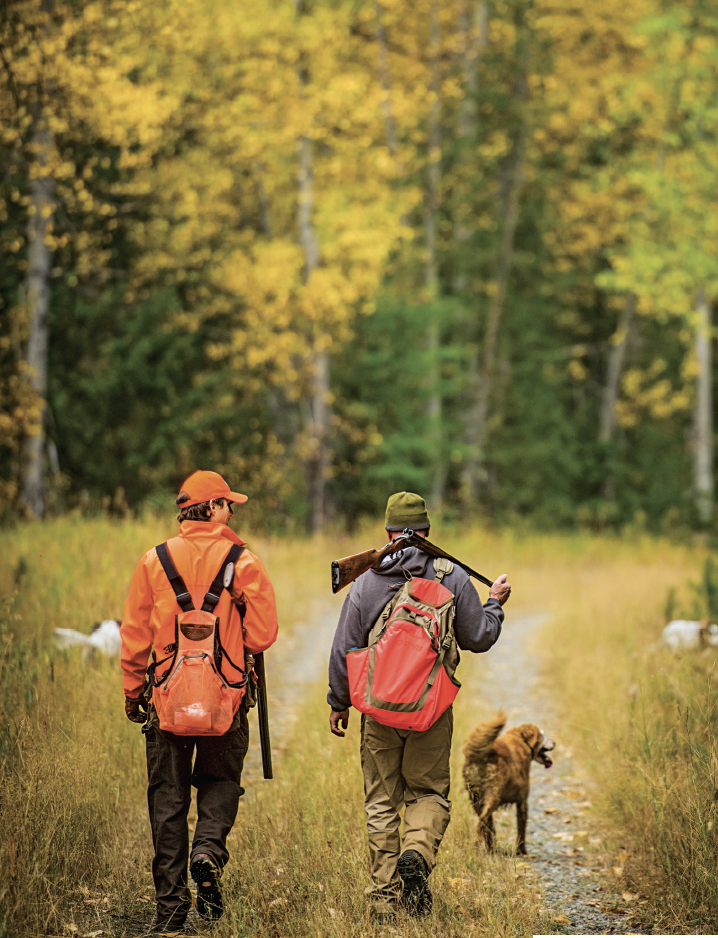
(566, 849)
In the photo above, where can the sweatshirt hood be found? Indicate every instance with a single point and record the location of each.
(411, 559)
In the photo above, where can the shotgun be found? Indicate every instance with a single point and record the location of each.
(347, 569)
(263, 715)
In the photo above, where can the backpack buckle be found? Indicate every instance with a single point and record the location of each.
(183, 598)
(211, 599)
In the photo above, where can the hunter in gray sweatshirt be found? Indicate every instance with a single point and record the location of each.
(477, 627)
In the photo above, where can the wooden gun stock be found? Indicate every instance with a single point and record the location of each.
(347, 569)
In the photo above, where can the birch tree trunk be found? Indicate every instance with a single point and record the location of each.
(37, 298)
(318, 460)
(703, 418)
(474, 32)
(486, 361)
(385, 78)
(616, 361)
(434, 408)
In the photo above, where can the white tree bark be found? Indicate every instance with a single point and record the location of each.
(703, 417)
(317, 463)
(317, 466)
(616, 361)
(37, 298)
(385, 78)
(474, 31)
(431, 280)
(474, 472)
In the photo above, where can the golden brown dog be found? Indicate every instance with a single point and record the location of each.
(497, 771)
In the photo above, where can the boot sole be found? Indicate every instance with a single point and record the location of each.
(417, 898)
(209, 893)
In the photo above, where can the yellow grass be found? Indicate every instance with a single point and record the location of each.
(75, 847)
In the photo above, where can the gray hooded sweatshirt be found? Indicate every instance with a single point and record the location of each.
(477, 627)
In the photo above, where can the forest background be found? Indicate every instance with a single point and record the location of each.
(337, 248)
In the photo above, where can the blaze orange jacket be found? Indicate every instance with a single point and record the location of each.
(198, 552)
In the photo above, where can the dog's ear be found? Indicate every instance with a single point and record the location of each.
(532, 736)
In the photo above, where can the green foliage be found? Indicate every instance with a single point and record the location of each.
(185, 331)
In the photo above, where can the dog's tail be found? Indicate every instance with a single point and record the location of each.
(479, 743)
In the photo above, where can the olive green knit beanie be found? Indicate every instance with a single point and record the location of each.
(406, 510)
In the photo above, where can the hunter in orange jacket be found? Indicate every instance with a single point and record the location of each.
(198, 552)
(178, 761)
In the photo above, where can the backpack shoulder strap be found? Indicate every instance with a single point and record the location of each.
(442, 568)
(184, 599)
(212, 596)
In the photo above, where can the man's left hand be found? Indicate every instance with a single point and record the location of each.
(136, 709)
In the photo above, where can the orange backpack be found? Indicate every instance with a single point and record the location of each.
(405, 676)
(193, 697)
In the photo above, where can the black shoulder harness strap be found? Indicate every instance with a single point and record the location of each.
(176, 582)
(211, 597)
(184, 598)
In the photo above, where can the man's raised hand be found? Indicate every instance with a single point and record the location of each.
(335, 718)
(501, 589)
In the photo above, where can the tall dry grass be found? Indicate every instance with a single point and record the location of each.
(642, 717)
(71, 766)
(75, 849)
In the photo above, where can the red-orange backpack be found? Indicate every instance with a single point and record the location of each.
(193, 697)
(405, 676)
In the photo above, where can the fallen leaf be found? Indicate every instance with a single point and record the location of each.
(580, 834)
(70, 927)
(618, 870)
(550, 811)
(93, 934)
(561, 920)
(629, 896)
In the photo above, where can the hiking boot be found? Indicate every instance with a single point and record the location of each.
(416, 897)
(205, 872)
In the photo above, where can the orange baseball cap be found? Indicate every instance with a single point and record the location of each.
(203, 486)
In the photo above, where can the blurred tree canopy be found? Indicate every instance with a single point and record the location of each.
(335, 249)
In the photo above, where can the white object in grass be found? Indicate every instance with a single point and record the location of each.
(104, 638)
(683, 633)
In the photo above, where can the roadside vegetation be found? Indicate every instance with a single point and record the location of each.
(643, 717)
(75, 849)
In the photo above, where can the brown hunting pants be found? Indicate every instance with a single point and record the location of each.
(404, 768)
(216, 774)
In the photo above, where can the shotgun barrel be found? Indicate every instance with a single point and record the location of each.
(263, 715)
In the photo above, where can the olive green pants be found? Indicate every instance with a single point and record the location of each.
(404, 768)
